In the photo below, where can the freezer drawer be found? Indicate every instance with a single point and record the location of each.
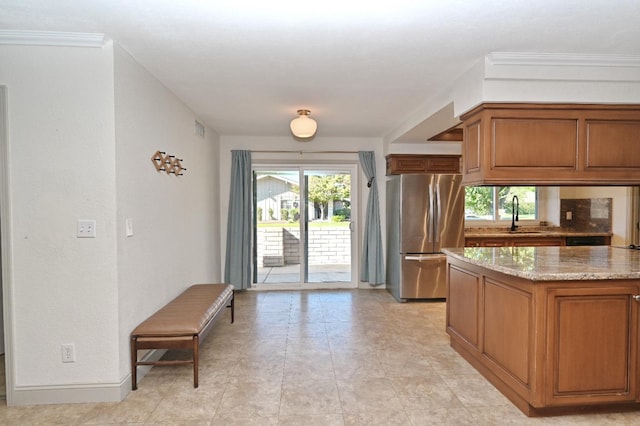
(423, 276)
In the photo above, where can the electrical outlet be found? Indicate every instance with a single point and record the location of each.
(68, 352)
(86, 229)
(569, 215)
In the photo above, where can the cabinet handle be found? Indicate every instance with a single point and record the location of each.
(636, 297)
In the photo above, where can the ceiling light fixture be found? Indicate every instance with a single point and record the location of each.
(303, 127)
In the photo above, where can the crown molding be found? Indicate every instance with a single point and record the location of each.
(562, 59)
(52, 38)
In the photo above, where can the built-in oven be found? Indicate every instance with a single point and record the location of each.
(592, 240)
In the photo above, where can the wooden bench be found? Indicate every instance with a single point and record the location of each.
(181, 324)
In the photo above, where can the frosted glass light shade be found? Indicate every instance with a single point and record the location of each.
(303, 127)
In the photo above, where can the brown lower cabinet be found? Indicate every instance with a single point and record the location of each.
(550, 347)
(514, 241)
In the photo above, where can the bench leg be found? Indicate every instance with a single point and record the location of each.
(196, 356)
(134, 363)
(232, 306)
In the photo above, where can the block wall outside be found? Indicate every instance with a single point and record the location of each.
(326, 245)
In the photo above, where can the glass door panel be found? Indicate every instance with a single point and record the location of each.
(303, 230)
(278, 250)
(327, 196)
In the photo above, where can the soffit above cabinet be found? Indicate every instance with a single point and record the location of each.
(454, 134)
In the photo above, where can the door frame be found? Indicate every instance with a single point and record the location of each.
(353, 170)
(5, 246)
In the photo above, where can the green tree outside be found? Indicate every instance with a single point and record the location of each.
(479, 201)
(325, 189)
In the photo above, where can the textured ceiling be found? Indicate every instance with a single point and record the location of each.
(361, 66)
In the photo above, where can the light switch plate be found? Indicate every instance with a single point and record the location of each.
(128, 225)
(86, 229)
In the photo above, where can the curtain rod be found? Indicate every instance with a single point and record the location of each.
(304, 152)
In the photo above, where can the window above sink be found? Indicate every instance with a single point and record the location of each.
(487, 205)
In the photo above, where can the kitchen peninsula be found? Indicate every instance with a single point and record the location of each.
(555, 329)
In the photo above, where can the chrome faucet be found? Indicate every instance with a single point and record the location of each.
(515, 212)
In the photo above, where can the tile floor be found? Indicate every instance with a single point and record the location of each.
(315, 358)
(324, 273)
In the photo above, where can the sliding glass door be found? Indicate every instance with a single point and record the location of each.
(303, 227)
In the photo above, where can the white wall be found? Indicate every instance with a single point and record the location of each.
(535, 77)
(176, 233)
(4, 199)
(433, 148)
(549, 204)
(83, 124)
(253, 143)
(62, 158)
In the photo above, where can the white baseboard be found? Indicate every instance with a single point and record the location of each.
(80, 393)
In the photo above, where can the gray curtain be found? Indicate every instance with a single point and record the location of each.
(372, 263)
(237, 265)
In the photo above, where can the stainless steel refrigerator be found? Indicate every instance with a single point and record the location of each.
(425, 213)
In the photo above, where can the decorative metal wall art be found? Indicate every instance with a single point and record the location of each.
(168, 163)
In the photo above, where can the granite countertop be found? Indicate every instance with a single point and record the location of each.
(555, 263)
(531, 232)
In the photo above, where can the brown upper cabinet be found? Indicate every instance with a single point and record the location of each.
(398, 164)
(551, 144)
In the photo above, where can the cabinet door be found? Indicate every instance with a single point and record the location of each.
(534, 143)
(508, 329)
(592, 345)
(612, 144)
(463, 307)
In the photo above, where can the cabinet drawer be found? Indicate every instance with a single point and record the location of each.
(409, 163)
(443, 164)
(538, 242)
(485, 242)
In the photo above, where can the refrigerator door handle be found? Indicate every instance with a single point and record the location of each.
(436, 219)
(421, 257)
(430, 229)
